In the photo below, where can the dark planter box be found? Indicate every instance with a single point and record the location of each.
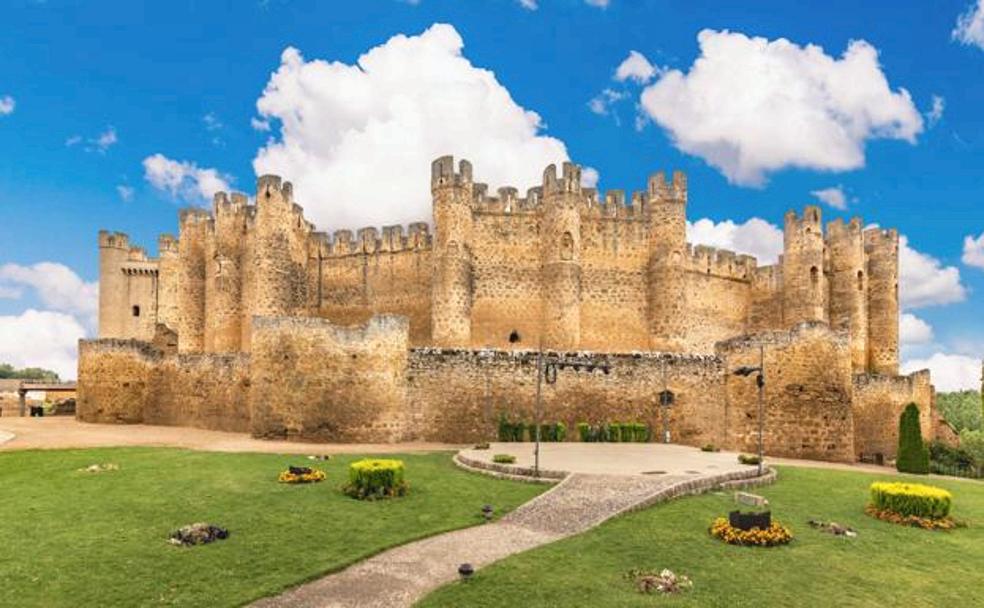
(747, 521)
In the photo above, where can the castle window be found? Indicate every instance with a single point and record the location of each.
(815, 276)
(514, 337)
(567, 247)
(136, 311)
(860, 280)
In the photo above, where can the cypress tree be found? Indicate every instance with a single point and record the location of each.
(913, 455)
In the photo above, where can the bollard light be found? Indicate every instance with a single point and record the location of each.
(465, 571)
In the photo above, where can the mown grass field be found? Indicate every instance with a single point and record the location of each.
(69, 538)
(886, 565)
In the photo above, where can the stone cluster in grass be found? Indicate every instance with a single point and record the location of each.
(100, 468)
(832, 527)
(664, 582)
(197, 534)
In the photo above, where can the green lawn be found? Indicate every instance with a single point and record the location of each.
(69, 538)
(887, 565)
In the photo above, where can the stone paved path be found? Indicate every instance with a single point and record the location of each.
(403, 575)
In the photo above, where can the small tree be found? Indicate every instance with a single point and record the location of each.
(913, 455)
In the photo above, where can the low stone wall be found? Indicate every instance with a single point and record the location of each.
(878, 405)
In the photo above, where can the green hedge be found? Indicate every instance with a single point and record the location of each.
(911, 499)
(913, 456)
(621, 432)
(521, 431)
(373, 478)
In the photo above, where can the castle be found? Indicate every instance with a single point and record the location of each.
(251, 320)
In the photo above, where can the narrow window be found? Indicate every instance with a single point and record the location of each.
(567, 247)
(514, 337)
(860, 281)
(136, 311)
(814, 276)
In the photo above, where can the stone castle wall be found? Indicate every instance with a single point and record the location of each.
(879, 402)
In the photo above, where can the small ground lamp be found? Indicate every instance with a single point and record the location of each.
(487, 511)
(465, 571)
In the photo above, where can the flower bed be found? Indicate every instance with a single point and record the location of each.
(374, 478)
(927, 523)
(775, 534)
(301, 475)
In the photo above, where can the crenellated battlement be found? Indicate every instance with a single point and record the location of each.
(720, 262)
(443, 173)
(114, 240)
(193, 215)
(838, 229)
(810, 221)
(880, 237)
(167, 244)
(569, 180)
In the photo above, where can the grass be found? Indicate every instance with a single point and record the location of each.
(70, 538)
(886, 565)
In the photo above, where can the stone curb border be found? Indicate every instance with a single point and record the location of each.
(6, 436)
(722, 481)
(500, 471)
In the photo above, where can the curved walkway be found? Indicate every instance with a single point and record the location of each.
(403, 575)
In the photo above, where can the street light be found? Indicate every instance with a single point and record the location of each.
(747, 370)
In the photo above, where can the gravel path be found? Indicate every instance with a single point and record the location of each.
(403, 575)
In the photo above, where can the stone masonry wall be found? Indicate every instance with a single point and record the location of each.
(114, 378)
(458, 394)
(313, 380)
(879, 401)
(208, 391)
(808, 393)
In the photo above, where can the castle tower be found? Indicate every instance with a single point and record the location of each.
(452, 294)
(848, 287)
(223, 273)
(881, 248)
(192, 226)
(274, 271)
(114, 249)
(804, 286)
(666, 217)
(318, 252)
(168, 270)
(560, 257)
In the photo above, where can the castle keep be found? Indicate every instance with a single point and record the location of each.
(252, 320)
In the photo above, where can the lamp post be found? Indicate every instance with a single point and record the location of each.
(746, 370)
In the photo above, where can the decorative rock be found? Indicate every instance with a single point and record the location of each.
(753, 500)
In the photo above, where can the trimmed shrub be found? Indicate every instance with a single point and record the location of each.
(503, 458)
(584, 431)
(560, 432)
(373, 478)
(641, 432)
(614, 433)
(911, 499)
(913, 456)
(749, 459)
(627, 432)
(709, 447)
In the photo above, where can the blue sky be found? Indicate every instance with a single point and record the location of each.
(114, 115)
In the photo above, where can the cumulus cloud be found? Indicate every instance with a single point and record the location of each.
(751, 106)
(100, 143)
(970, 26)
(259, 125)
(601, 102)
(935, 112)
(58, 287)
(833, 197)
(913, 330)
(530, 5)
(357, 140)
(635, 67)
(7, 105)
(182, 179)
(755, 237)
(41, 338)
(949, 372)
(925, 281)
(973, 251)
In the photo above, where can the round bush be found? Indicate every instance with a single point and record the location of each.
(373, 478)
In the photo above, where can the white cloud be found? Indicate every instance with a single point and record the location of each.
(973, 251)
(101, 143)
(7, 105)
(357, 141)
(182, 179)
(601, 102)
(530, 5)
(125, 192)
(635, 67)
(751, 106)
(57, 286)
(935, 112)
(924, 281)
(589, 177)
(970, 26)
(41, 338)
(212, 123)
(949, 372)
(755, 237)
(834, 197)
(913, 330)
(259, 125)
(598, 3)
(8, 292)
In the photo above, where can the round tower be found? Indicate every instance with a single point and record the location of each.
(272, 264)
(881, 248)
(223, 274)
(168, 268)
(114, 248)
(560, 257)
(193, 223)
(804, 285)
(451, 295)
(849, 287)
(666, 280)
